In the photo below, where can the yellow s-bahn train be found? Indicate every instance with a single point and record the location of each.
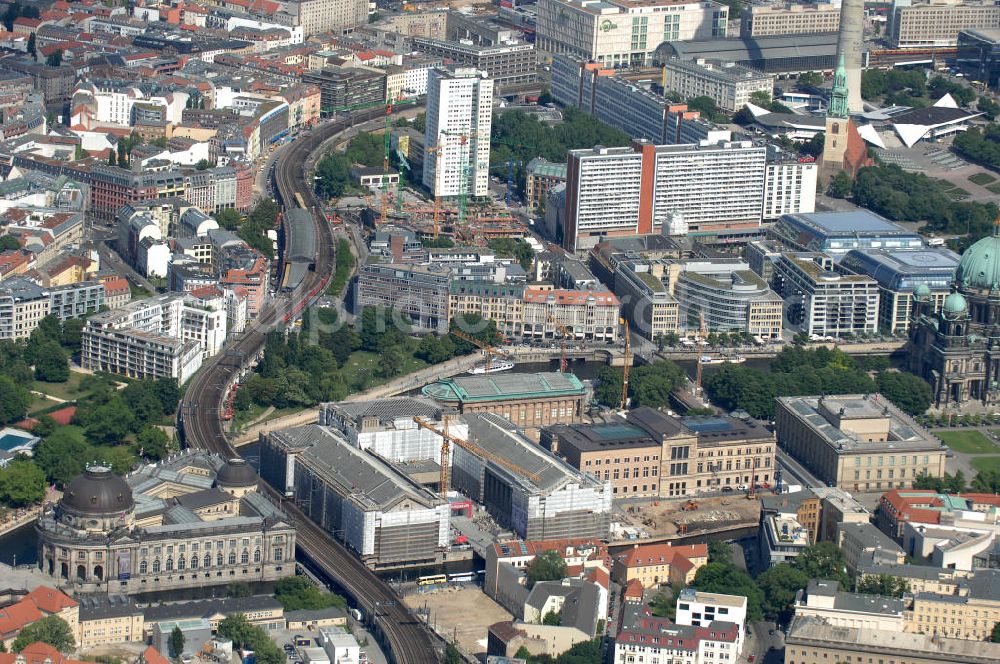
(300, 201)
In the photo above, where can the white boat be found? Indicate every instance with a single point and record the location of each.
(495, 366)
(732, 359)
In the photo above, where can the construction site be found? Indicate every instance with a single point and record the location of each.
(669, 519)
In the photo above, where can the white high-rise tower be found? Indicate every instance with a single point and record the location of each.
(457, 133)
(850, 44)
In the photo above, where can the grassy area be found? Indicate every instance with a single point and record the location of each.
(69, 390)
(986, 463)
(995, 188)
(344, 268)
(967, 442)
(138, 292)
(367, 364)
(41, 403)
(954, 191)
(242, 419)
(982, 178)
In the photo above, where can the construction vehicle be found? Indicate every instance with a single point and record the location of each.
(447, 440)
(689, 506)
(628, 365)
(488, 350)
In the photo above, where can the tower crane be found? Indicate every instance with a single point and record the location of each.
(628, 365)
(447, 440)
(488, 350)
(562, 342)
(386, 140)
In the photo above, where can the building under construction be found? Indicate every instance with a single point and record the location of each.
(545, 498)
(381, 514)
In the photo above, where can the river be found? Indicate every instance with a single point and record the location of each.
(19, 546)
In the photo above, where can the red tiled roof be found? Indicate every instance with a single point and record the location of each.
(37, 653)
(15, 617)
(50, 600)
(660, 554)
(152, 656)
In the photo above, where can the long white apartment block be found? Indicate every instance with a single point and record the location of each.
(457, 135)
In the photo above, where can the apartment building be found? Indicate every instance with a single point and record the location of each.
(726, 297)
(933, 25)
(417, 291)
(717, 188)
(627, 105)
(506, 64)
(857, 442)
(147, 339)
(624, 32)
(501, 303)
(341, 88)
(23, 304)
(970, 615)
(700, 609)
(821, 300)
(789, 185)
(790, 19)
(319, 16)
(695, 453)
(653, 565)
(729, 84)
(457, 134)
(646, 638)
(647, 303)
(587, 315)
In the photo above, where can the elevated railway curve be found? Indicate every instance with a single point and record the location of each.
(407, 640)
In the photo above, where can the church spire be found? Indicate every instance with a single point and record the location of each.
(838, 97)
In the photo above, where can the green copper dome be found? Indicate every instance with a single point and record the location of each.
(980, 265)
(922, 291)
(955, 304)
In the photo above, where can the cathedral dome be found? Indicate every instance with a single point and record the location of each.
(955, 304)
(980, 265)
(922, 291)
(236, 473)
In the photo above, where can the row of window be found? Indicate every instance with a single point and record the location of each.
(206, 561)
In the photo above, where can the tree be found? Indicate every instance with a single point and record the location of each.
(391, 362)
(727, 579)
(228, 219)
(720, 552)
(552, 618)
(72, 334)
(882, 584)
(297, 592)
(238, 629)
(52, 630)
(546, 566)
(995, 635)
(451, 654)
(202, 165)
(909, 392)
(112, 161)
(62, 455)
(152, 443)
(664, 605)
(22, 483)
(51, 363)
(987, 481)
(9, 243)
(609, 387)
(840, 185)
(176, 642)
(946, 483)
(761, 98)
(809, 79)
(988, 107)
(779, 585)
(55, 58)
(516, 248)
(109, 423)
(824, 560)
(31, 45)
(238, 589)
(14, 401)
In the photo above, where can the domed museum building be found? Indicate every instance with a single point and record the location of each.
(195, 519)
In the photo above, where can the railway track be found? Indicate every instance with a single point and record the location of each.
(407, 639)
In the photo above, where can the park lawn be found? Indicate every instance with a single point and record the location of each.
(982, 178)
(967, 442)
(995, 188)
(986, 463)
(69, 390)
(41, 403)
(367, 364)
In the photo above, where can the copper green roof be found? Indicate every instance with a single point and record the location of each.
(499, 387)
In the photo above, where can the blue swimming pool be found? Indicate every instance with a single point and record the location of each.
(9, 441)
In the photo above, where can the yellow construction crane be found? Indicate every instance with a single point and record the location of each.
(488, 350)
(436, 149)
(562, 342)
(628, 364)
(446, 441)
